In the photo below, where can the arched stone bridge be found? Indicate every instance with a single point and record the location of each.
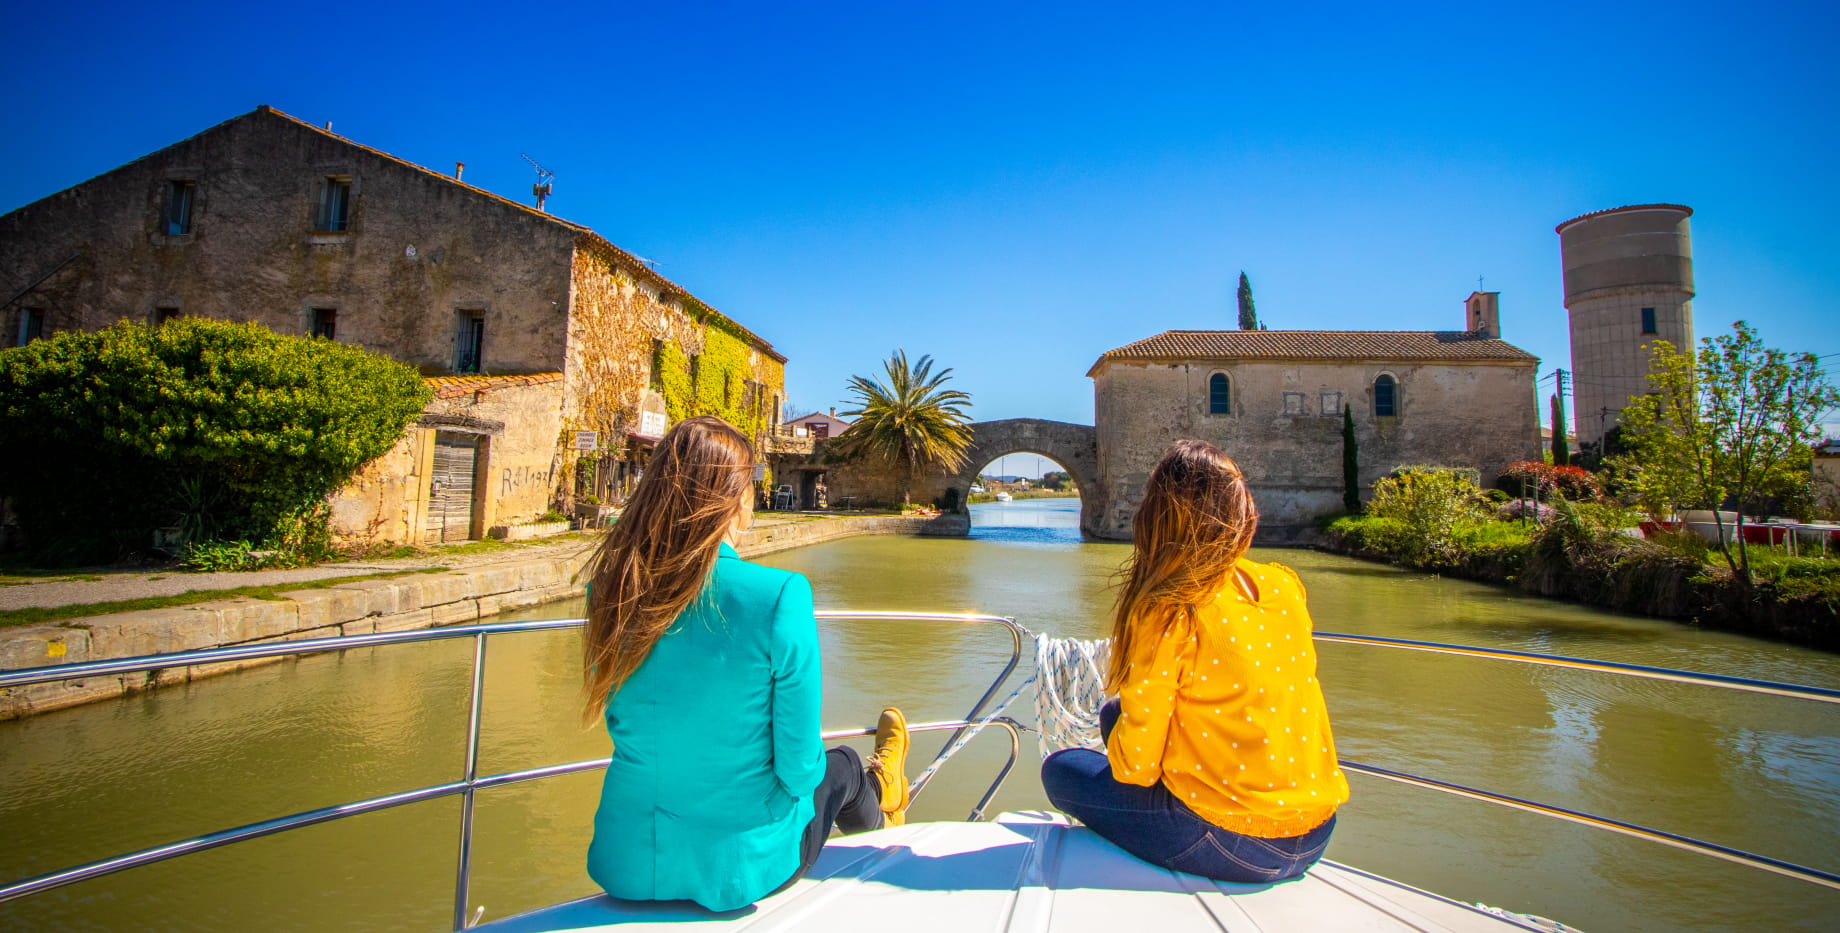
(1073, 446)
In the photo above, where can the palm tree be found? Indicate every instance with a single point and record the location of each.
(910, 420)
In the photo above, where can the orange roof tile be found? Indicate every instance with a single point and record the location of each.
(1306, 345)
(456, 386)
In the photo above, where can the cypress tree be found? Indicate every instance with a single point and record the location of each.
(1562, 452)
(1248, 316)
(1351, 464)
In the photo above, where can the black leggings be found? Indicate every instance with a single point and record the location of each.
(847, 798)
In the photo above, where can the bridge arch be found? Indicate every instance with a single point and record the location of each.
(1074, 446)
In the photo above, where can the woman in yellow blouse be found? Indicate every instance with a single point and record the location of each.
(1218, 757)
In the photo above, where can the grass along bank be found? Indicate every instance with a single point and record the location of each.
(1585, 551)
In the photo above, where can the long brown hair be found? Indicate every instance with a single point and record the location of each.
(1196, 520)
(658, 556)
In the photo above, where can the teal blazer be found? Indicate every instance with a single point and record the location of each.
(715, 747)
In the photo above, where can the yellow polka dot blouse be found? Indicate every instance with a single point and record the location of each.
(1225, 710)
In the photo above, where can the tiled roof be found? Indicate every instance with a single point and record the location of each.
(456, 386)
(630, 263)
(1379, 345)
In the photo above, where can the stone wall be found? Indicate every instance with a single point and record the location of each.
(1479, 415)
(782, 536)
(420, 249)
(1824, 477)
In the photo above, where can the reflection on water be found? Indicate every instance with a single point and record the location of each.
(1755, 772)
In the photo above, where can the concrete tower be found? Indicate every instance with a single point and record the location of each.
(1628, 283)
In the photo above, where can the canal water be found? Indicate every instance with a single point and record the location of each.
(1753, 772)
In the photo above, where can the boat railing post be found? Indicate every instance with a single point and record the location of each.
(1015, 751)
(464, 865)
(977, 709)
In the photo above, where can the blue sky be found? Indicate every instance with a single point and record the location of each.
(1016, 188)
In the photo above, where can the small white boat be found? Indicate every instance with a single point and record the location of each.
(1005, 497)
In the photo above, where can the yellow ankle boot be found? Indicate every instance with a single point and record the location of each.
(888, 766)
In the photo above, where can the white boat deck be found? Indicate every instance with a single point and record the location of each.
(1033, 872)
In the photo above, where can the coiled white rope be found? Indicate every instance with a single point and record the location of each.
(1069, 689)
(1069, 681)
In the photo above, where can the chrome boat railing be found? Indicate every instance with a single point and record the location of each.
(472, 782)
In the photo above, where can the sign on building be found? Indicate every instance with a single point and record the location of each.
(585, 440)
(651, 423)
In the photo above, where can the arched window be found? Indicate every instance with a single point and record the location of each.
(1386, 397)
(1220, 395)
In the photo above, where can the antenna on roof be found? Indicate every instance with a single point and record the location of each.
(542, 187)
(651, 264)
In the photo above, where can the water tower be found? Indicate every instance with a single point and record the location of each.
(1628, 283)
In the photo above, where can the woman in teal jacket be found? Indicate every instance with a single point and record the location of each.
(705, 669)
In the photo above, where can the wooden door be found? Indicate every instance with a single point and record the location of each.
(450, 486)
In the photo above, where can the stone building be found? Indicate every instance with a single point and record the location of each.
(1824, 478)
(1273, 401)
(531, 329)
(1628, 283)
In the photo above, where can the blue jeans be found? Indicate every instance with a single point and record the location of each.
(1150, 823)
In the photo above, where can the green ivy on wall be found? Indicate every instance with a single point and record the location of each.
(721, 373)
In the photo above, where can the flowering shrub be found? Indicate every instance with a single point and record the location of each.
(1531, 477)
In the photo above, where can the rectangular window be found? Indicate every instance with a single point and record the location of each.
(1331, 404)
(469, 341)
(31, 326)
(1293, 403)
(162, 315)
(325, 323)
(179, 206)
(334, 204)
(820, 429)
(1648, 320)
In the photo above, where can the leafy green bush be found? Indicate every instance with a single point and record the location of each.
(1433, 506)
(230, 431)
